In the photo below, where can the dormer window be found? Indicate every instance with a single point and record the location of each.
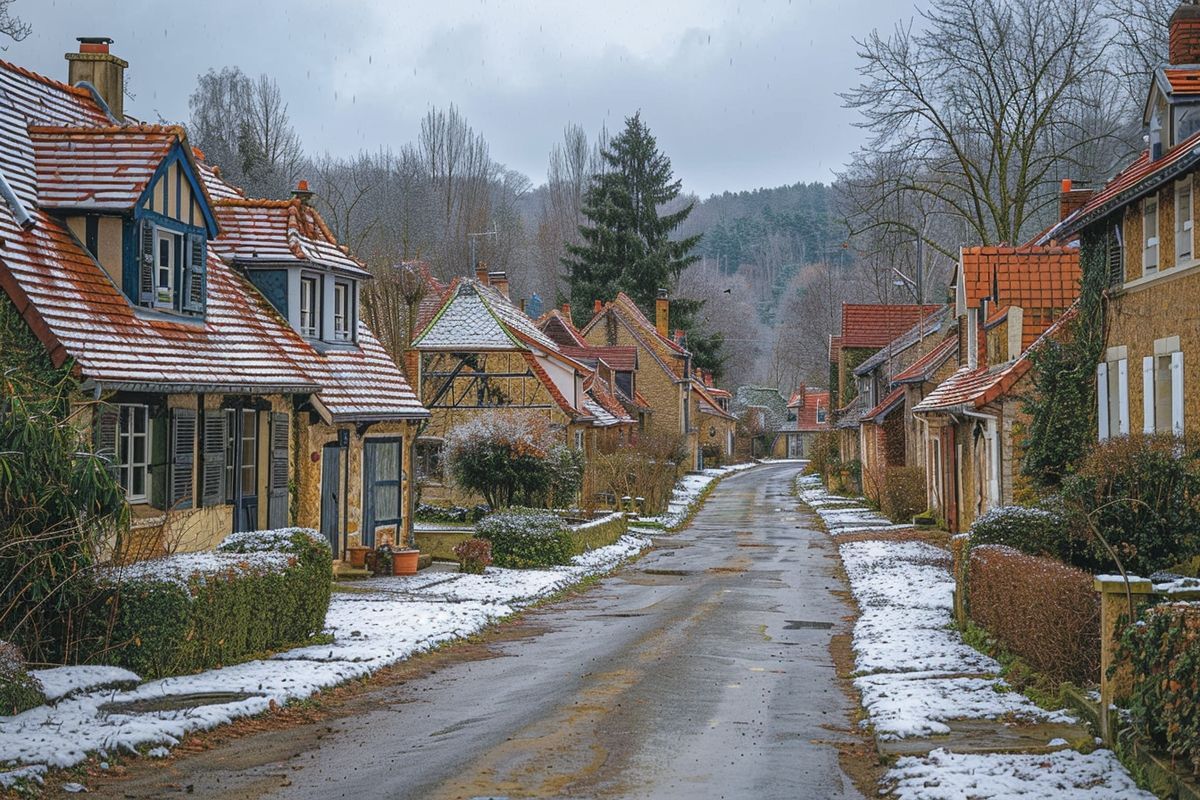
(342, 311)
(1156, 146)
(1187, 121)
(310, 313)
(1150, 235)
(166, 256)
(170, 271)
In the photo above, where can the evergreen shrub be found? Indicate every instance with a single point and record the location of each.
(19, 691)
(261, 591)
(524, 538)
(1036, 531)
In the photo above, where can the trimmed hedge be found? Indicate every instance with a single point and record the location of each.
(426, 512)
(526, 537)
(261, 591)
(1164, 652)
(1039, 609)
(1034, 531)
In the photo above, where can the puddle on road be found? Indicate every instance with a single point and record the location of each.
(804, 624)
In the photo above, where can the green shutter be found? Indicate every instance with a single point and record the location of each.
(106, 430)
(146, 262)
(277, 508)
(212, 474)
(183, 450)
(196, 275)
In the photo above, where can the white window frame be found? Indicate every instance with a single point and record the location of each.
(126, 438)
(579, 440)
(820, 414)
(1184, 238)
(310, 318)
(342, 310)
(1112, 398)
(164, 295)
(1150, 253)
(1162, 393)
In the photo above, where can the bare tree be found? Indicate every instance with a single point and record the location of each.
(12, 27)
(1141, 39)
(980, 111)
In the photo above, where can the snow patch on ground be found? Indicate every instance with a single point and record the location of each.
(841, 514)
(393, 620)
(688, 490)
(58, 682)
(1064, 775)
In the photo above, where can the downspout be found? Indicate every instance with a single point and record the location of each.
(19, 212)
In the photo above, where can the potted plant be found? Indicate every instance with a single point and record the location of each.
(405, 560)
(383, 559)
(358, 555)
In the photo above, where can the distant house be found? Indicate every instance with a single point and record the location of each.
(225, 373)
(763, 416)
(809, 415)
(1009, 300)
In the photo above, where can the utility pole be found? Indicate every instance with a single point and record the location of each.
(473, 236)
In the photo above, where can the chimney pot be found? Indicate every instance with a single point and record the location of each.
(566, 310)
(103, 71)
(302, 193)
(499, 279)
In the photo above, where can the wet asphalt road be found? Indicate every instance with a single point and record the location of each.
(701, 671)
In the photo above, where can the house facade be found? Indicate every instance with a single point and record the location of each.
(808, 417)
(196, 387)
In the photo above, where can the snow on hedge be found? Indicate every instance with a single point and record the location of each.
(1064, 774)
(399, 617)
(185, 569)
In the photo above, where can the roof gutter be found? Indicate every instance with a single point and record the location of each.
(19, 212)
(207, 388)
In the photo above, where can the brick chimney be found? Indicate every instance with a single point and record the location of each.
(662, 314)
(412, 368)
(1071, 199)
(302, 193)
(481, 272)
(1184, 43)
(597, 306)
(105, 72)
(500, 281)
(566, 310)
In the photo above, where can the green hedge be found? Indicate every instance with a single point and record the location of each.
(261, 591)
(526, 537)
(598, 533)
(19, 691)
(1164, 651)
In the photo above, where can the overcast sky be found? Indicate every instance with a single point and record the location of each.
(740, 95)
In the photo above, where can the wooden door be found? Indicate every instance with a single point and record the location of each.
(331, 496)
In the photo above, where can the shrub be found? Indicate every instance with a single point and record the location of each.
(19, 691)
(565, 472)
(260, 591)
(1162, 652)
(903, 493)
(647, 469)
(525, 537)
(474, 555)
(1036, 531)
(1040, 609)
(1142, 495)
(822, 453)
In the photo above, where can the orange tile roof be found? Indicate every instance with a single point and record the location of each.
(1029, 277)
(99, 169)
(806, 414)
(272, 232)
(559, 327)
(619, 358)
(1183, 80)
(873, 325)
(887, 405)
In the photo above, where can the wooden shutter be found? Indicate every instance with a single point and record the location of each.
(1148, 394)
(146, 262)
(277, 508)
(107, 429)
(1123, 397)
(1102, 400)
(212, 474)
(183, 457)
(195, 274)
(1177, 394)
(1115, 257)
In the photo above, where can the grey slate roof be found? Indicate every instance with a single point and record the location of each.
(475, 316)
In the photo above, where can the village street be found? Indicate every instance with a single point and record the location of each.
(704, 667)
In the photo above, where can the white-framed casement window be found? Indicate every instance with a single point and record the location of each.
(579, 440)
(310, 306)
(1112, 398)
(1150, 235)
(1162, 393)
(1183, 221)
(133, 452)
(342, 309)
(164, 268)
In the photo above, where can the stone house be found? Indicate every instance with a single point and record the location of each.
(1009, 300)
(480, 353)
(808, 417)
(763, 419)
(196, 387)
(1138, 233)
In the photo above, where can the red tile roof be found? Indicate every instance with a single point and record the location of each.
(1183, 80)
(619, 358)
(1030, 277)
(806, 414)
(874, 325)
(275, 232)
(707, 403)
(887, 405)
(559, 327)
(98, 169)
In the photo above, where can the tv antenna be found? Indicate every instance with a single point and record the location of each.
(495, 231)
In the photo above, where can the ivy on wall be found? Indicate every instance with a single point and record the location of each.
(1062, 405)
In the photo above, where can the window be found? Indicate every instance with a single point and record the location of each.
(341, 312)
(1112, 397)
(164, 269)
(133, 453)
(1187, 121)
(624, 383)
(820, 415)
(1183, 221)
(310, 318)
(579, 440)
(91, 234)
(1150, 235)
(428, 454)
(1162, 392)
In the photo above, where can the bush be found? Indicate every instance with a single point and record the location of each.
(261, 591)
(522, 538)
(1163, 651)
(903, 493)
(19, 691)
(474, 555)
(1142, 495)
(647, 469)
(1040, 609)
(431, 513)
(1036, 531)
(823, 453)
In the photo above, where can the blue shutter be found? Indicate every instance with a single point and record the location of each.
(195, 283)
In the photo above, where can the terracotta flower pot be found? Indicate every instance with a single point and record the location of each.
(404, 562)
(358, 556)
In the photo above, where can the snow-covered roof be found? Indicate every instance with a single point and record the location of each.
(274, 232)
(475, 316)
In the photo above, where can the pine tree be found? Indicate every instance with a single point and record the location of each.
(627, 245)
